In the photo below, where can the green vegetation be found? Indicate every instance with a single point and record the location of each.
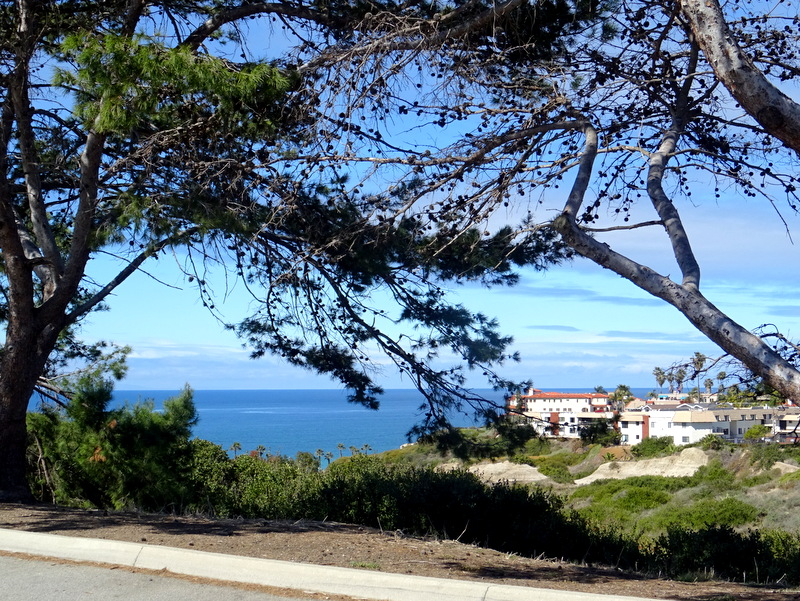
(133, 457)
(85, 454)
(658, 446)
(600, 431)
(757, 432)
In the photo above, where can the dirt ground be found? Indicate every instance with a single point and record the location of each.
(365, 548)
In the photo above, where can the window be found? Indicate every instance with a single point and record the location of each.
(669, 424)
(637, 437)
(740, 431)
(685, 439)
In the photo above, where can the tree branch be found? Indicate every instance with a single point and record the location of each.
(212, 24)
(718, 327)
(778, 114)
(123, 275)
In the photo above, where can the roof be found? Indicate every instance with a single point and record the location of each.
(694, 417)
(565, 395)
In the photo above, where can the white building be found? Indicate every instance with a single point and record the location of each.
(563, 415)
(560, 414)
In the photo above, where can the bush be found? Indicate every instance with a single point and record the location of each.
(728, 512)
(657, 446)
(210, 480)
(757, 432)
(752, 556)
(711, 442)
(714, 477)
(133, 457)
(638, 499)
(764, 456)
(600, 432)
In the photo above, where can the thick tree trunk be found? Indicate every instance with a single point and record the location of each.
(25, 354)
(13, 439)
(778, 114)
(14, 395)
(731, 337)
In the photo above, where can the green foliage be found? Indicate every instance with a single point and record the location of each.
(503, 439)
(657, 446)
(639, 498)
(556, 466)
(714, 477)
(600, 431)
(764, 456)
(711, 442)
(127, 83)
(729, 512)
(620, 502)
(131, 457)
(680, 537)
(752, 556)
(757, 432)
(456, 504)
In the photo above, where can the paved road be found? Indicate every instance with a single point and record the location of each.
(42, 580)
(327, 580)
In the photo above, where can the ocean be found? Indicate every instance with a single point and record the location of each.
(288, 421)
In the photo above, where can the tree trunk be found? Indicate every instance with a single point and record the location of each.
(25, 355)
(778, 114)
(731, 337)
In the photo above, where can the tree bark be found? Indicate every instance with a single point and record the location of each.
(778, 114)
(731, 337)
(25, 353)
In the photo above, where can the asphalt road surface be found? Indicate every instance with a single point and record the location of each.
(43, 580)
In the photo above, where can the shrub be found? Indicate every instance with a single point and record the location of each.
(86, 454)
(752, 556)
(657, 446)
(711, 442)
(757, 432)
(764, 456)
(714, 477)
(210, 479)
(639, 498)
(601, 432)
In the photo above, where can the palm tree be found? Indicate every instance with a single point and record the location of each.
(660, 376)
(680, 376)
(621, 395)
(341, 448)
(698, 361)
(721, 377)
(235, 447)
(709, 384)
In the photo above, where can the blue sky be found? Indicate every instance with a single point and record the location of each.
(575, 325)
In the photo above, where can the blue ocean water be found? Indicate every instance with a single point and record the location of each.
(288, 421)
